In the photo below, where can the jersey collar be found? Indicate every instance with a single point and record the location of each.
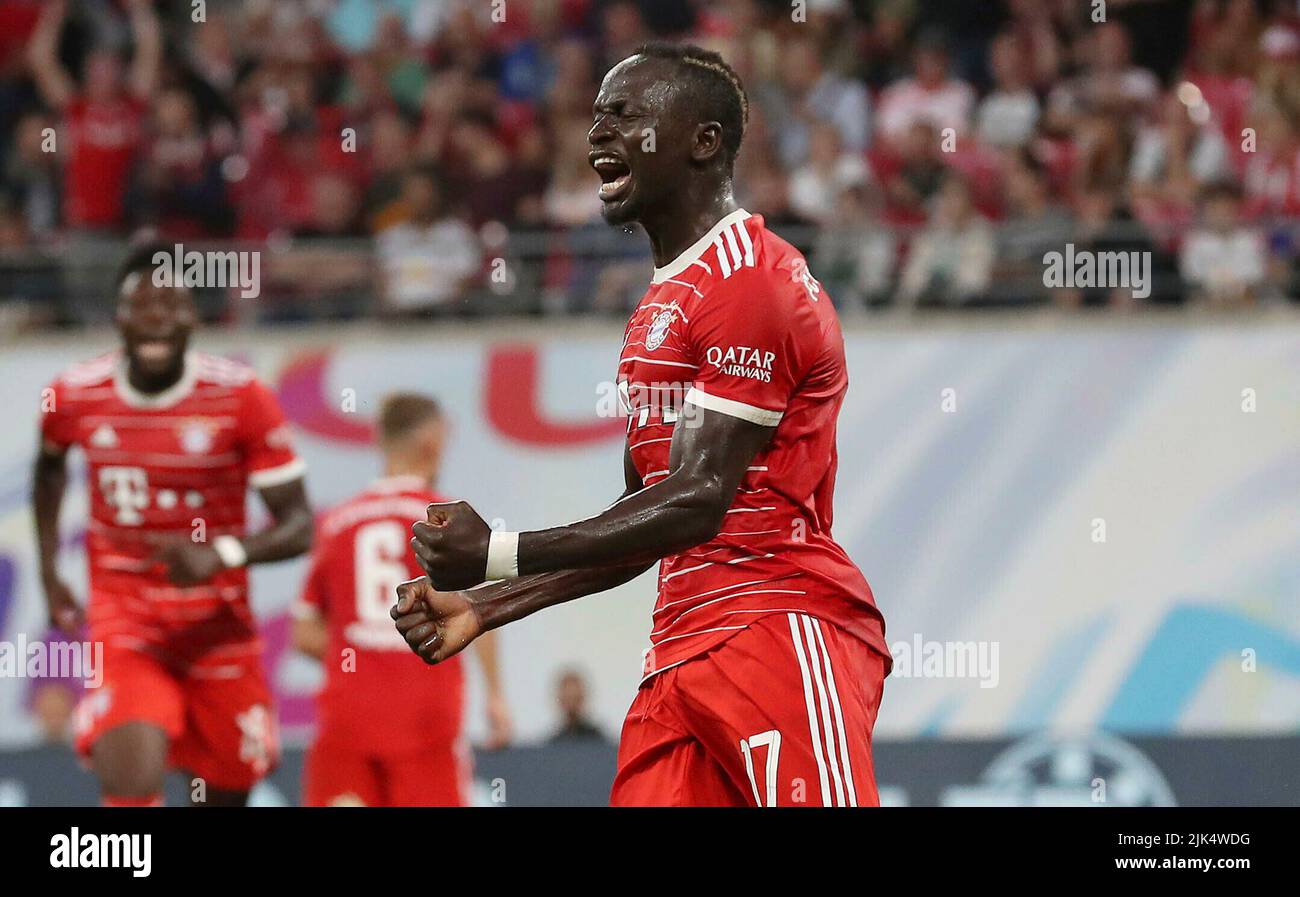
(165, 399)
(400, 483)
(696, 249)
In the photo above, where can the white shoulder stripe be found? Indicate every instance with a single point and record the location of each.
(764, 417)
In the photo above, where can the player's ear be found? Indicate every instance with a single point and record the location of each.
(708, 141)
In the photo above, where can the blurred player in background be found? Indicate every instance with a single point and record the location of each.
(767, 659)
(389, 728)
(173, 438)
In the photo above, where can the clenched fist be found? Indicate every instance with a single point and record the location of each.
(452, 546)
(436, 625)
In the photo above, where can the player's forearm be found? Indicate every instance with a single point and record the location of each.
(292, 527)
(289, 537)
(49, 481)
(311, 637)
(677, 513)
(510, 600)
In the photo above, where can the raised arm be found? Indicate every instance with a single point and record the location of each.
(148, 48)
(55, 85)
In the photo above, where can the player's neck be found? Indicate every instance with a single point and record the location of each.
(675, 230)
(151, 385)
(405, 470)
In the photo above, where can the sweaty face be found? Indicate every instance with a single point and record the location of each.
(155, 323)
(640, 143)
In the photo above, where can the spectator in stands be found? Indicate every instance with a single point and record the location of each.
(1035, 226)
(390, 154)
(1038, 31)
(1008, 115)
(570, 200)
(571, 697)
(31, 176)
(622, 29)
(931, 96)
(1176, 154)
(1110, 83)
(494, 185)
(951, 261)
(1279, 72)
(1101, 144)
(101, 132)
(1223, 261)
(855, 253)
(257, 95)
(1104, 225)
(766, 191)
(179, 188)
(103, 121)
(915, 170)
(815, 185)
(430, 260)
(1271, 176)
(806, 93)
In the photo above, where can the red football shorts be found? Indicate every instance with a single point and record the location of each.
(219, 719)
(336, 776)
(780, 714)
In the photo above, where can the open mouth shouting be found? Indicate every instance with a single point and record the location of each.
(156, 353)
(615, 175)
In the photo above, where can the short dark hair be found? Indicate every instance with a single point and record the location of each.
(139, 260)
(713, 85)
(1221, 189)
(401, 413)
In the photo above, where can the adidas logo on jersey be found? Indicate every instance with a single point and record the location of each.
(104, 437)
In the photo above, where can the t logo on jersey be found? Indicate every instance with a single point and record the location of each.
(126, 489)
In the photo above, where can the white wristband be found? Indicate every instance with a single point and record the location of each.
(503, 556)
(230, 550)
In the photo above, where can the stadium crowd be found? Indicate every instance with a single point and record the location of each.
(424, 157)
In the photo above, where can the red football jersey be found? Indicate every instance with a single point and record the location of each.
(176, 464)
(104, 140)
(737, 325)
(378, 696)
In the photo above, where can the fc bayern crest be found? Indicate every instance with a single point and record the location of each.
(659, 329)
(196, 437)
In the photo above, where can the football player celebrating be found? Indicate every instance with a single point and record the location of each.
(767, 653)
(173, 438)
